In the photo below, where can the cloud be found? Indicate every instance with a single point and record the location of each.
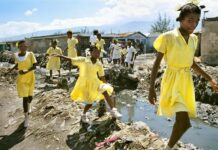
(148, 10)
(86, 21)
(212, 6)
(125, 10)
(13, 28)
(30, 12)
(113, 12)
(16, 28)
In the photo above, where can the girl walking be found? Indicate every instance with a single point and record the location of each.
(25, 63)
(177, 90)
(89, 87)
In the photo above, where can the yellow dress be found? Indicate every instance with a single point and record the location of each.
(123, 51)
(26, 82)
(89, 87)
(71, 44)
(177, 89)
(53, 62)
(100, 45)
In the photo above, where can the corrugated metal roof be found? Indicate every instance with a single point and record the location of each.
(212, 19)
(127, 34)
(74, 34)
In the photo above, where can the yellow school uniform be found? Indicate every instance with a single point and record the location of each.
(100, 45)
(26, 82)
(123, 51)
(54, 62)
(177, 89)
(71, 44)
(89, 87)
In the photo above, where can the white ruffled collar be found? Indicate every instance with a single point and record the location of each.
(21, 58)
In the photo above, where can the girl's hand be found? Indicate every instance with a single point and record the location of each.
(22, 72)
(152, 96)
(214, 85)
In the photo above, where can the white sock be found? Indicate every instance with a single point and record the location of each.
(26, 121)
(29, 108)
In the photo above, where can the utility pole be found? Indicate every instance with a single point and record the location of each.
(204, 17)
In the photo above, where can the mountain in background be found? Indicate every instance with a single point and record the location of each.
(135, 26)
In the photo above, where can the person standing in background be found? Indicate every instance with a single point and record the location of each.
(93, 38)
(100, 45)
(71, 46)
(54, 63)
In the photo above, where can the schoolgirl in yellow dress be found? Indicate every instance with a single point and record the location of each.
(123, 53)
(71, 46)
(100, 45)
(54, 63)
(177, 90)
(89, 87)
(25, 62)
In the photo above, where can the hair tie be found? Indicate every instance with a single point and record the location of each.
(195, 2)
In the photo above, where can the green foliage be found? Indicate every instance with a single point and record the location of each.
(162, 24)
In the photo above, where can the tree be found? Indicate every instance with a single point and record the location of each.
(162, 25)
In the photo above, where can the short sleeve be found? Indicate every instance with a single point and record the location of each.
(103, 42)
(98, 45)
(101, 70)
(160, 44)
(15, 59)
(60, 51)
(134, 50)
(195, 42)
(33, 58)
(77, 61)
(90, 39)
(48, 51)
(75, 41)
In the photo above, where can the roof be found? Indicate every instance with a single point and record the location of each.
(127, 34)
(212, 19)
(50, 36)
(154, 35)
(122, 35)
(102, 35)
(74, 34)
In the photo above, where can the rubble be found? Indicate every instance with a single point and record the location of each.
(7, 56)
(56, 120)
(208, 113)
(121, 78)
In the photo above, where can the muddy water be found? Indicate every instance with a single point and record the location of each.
(201, 134)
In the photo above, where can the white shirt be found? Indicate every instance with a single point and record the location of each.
(116, 52)
(129, 55)
(93, 39)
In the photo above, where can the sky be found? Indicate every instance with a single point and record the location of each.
(26, 16)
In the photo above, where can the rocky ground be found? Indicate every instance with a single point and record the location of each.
(207, 100)
(55, 120)
(55, 123)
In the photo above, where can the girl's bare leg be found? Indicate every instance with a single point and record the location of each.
(180, 127)
(108, 99)
(87, 107)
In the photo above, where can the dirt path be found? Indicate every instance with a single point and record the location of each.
(12, 133)
(55, 123)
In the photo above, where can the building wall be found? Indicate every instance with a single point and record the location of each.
(198, 50)
(40, 45)
(150, 40)
(209, 43)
